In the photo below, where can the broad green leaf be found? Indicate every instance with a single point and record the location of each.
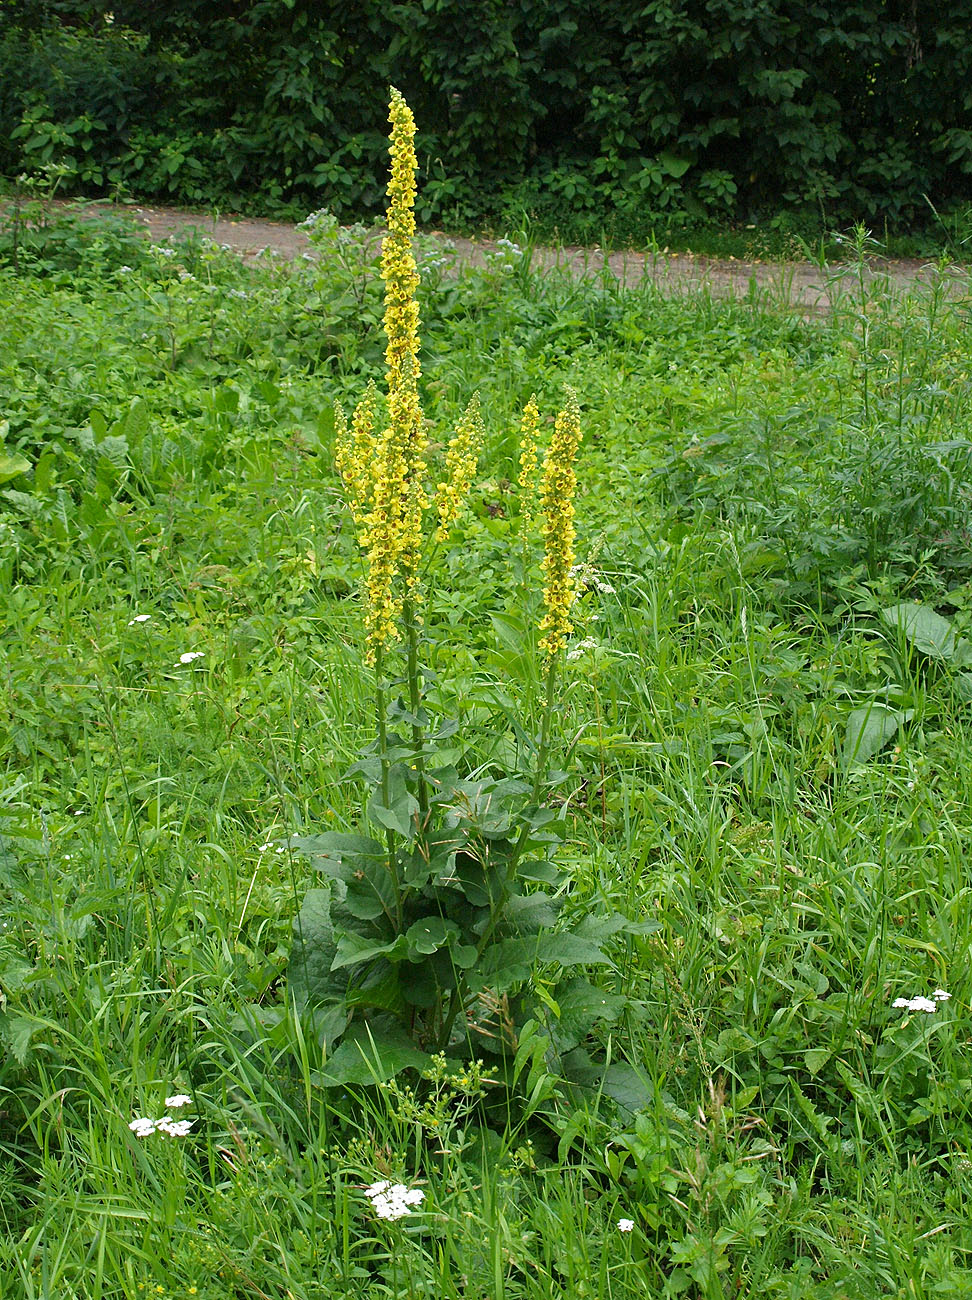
(963, 686)
(582, 1005)
(353, 948)
(11, 466)
(930, 633)
(569, 950)
(531, 913)
(816, 1058)
(372, 1055)
(430, 933)
(675, 167)
(309, 970)
(868, 730)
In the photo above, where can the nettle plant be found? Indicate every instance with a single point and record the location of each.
(430, 926)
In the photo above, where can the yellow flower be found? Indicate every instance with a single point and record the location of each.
(400, 274)
(529, 428)
(354, 453)
(460, 462)
(557, 489)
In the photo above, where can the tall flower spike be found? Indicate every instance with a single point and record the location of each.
(557, 489)
(354, 454)
(461, 458)
(529, 428)
(399, 272)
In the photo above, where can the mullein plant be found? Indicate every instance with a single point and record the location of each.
(427, 929)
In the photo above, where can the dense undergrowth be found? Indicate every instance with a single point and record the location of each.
(759, 757)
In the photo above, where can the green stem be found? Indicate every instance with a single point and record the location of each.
(545, 726)
(415, 705)
(458, 993)
(380, 715)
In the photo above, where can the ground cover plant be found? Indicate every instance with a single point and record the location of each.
(758, 761)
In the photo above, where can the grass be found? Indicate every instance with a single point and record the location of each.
(755, 489)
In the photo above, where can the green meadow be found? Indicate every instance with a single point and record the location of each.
(758, 781)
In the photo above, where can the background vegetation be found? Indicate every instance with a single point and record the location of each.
(623, 121)
(766, 755)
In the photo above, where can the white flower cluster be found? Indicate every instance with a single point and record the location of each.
(174, 1128)
(625, 1225)
(581, 648)
(927, 1005)
(393, 1200)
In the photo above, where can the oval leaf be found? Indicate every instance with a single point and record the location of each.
(929, 632)
(868, 730)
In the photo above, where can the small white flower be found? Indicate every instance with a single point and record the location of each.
(139, 618)
(125, 270)
(190, 655)
(914, 1004)
(142, 1127)
(262, 848)
(393, 1200)
(625, 1225)
(575, 652)
(941, 996)
(180, 1099)
(174, 1128)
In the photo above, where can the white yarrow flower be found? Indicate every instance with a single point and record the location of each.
(142, 1127)
(393, 1200)
(139, 618)
(915, 1004)
(625, 1225)
(174, 1128)
(941, 996)
(180, 1099)
(190, 655)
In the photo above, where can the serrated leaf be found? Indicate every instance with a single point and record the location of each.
(929, 632)
(868, 730)
(16, 1032)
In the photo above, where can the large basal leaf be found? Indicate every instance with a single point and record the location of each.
(581, 1006)
(11, 466)
(868, 730)
(309, 971)
(336, 853)
(353, 948)
(429, 934)
(372, 1054)
(930, 633)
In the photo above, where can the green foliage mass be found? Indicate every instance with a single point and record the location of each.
(677, 111)
(766, 764)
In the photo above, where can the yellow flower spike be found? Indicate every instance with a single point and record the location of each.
(400, 274)
(359, 477)
(461, 459)
(529, 429)
(354, 454)
(557, 488)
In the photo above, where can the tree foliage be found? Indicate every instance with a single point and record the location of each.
(856, 109)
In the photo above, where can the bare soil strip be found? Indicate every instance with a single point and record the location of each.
(801, 285)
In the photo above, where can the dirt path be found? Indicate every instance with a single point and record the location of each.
(802, 285)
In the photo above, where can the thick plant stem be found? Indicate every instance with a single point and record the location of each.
(457, 997)
(550, 684)
(415, 705)
(380, 711)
